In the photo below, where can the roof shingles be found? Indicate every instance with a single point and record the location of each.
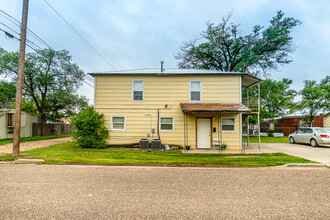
(214, 107)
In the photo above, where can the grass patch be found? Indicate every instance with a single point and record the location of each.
(268, 139)
(69, 153)
(36, 138)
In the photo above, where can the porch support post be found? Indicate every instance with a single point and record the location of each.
(259, 142)
(247, 119)
(241, 132)
(220, 128)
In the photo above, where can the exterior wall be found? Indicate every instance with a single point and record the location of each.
(26, 125)
(113, 97)
(327, 121)
(291, 125)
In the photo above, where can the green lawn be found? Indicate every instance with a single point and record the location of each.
(268, 139)
(69, 153)
(36, 138)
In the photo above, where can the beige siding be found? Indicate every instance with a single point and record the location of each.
(113, 96)
(327, 121)
(26, 125)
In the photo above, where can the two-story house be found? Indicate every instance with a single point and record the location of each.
(179, 106)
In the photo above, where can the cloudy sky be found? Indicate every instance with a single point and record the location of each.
(133, 34)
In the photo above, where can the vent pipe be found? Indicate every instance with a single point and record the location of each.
(161, 66)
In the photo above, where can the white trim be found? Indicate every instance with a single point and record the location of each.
(124, 123)
(137, 80)
(160, 123)
(228, 130)
(200, 96)
(94, 102)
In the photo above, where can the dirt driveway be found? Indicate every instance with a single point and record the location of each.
(8, 148)
(320, 154)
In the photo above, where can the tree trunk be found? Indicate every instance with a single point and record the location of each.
(43, 125)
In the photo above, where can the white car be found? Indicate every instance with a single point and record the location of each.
(312, 136)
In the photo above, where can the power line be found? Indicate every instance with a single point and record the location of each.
(16, 22)
(19, 35)
(15, 38)
(36, 50)
(72, 28)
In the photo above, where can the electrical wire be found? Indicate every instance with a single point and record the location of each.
(16, 22)
(31, 42)
(74, 30)
(31, 47)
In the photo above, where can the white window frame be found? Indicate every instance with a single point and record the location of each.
(114, 129)
(234, 124)
(200, 96)
(137, 80)
(160, 123)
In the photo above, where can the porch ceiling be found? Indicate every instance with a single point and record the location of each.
(249, 80)
(214, 108)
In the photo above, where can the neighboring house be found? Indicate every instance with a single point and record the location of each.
(326, 118)
(188, 107)
(294, 122)
(7, 122)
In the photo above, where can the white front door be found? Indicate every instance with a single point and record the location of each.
(203, 133)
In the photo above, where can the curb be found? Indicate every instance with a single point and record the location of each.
(313, 165)
(33, 161)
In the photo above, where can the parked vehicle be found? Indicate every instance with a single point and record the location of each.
(312, 136)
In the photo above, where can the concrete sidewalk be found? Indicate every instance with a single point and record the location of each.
(319, 154)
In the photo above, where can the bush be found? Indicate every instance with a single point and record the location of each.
(90, 130)
(270, 133)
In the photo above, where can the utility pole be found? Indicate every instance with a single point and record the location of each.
(20, 80)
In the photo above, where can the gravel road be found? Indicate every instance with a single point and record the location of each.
(8, 148)
(110, 192)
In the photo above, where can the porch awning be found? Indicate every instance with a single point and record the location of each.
(214, 108)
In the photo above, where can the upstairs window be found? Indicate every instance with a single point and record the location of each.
(138, 90)
(195, 90)
(228, 124)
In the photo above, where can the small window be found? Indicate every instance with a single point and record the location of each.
(195, 89)
(301, 131)
(10, 119)
(138, 90)
(308, 131)
(118, 123)
(228, 124)
(167, 123)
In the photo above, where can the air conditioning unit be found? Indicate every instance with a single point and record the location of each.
(144, 144)
(156, 144)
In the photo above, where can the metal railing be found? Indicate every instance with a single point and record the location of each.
(251, 103)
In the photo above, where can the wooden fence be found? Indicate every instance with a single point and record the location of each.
(52, 129)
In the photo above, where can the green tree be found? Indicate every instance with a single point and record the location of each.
(224, 47)
(276, 98)
(51, 81)
(314, 98)
(7, 94)
(90, 130)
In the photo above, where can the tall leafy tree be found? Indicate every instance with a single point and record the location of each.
(224, 47)
(276, 98)
(51, 81)
(314, 98)
(7, 94)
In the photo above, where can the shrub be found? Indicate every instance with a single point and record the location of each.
(90, 130)
(270, 133)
